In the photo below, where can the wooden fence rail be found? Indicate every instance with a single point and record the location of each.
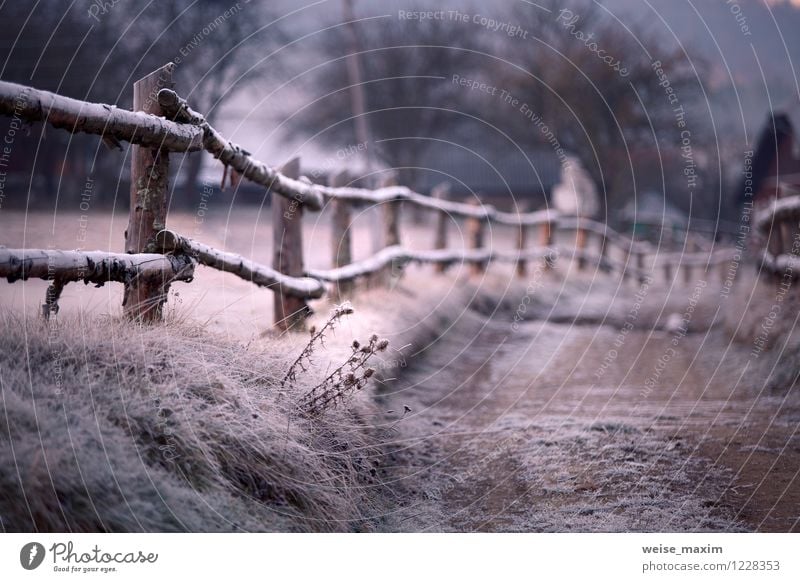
(261, 275)
(164, 122)
(62, 267)
(398, 257)
(779, 224)
(97, 118)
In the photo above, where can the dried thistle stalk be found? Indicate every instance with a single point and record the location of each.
(302, 361)
(352, 375)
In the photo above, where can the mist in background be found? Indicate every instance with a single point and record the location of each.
(653, 97)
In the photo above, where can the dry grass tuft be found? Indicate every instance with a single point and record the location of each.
(109, 426)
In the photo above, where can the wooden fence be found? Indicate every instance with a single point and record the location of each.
(779, 225)
(162, 122)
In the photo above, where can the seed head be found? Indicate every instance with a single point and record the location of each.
(343, 309)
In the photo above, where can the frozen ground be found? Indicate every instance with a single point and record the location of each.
(556, 402)
(551, 427)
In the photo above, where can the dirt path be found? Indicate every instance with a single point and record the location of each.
(562, 427)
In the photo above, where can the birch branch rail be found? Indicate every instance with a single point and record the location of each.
(781, 210)
(698, 259)
(187, 130)
(256, 273)
(92, 267)
(526, 218)
(603, 230)
(315, 195)
(182, 129)
(786, 264)
(19, 101)
(399, 257)
(230, 154)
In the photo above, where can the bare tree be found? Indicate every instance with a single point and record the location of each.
(613, 97)
(220, 47)
(408, 68)
(54, 46)
(96, 51)
(568, 78)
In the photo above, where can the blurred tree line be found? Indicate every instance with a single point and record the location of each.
(586, 77)
(95, 51)
(589, 81)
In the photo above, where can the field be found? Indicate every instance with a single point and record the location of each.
(502, 404)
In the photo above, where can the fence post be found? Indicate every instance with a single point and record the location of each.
(391, 231)
(546, 233)
(785, 233)
(640, 266)
(687, 267)
(391, 216)
(603, 247)
(775, 240)
(724, 266)
(287, 234)
(440, 192)
(144, 299)
(522, 240)
(627, 261)
(475, 233)
(580, 243)
(342, 246)
(667, 271)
